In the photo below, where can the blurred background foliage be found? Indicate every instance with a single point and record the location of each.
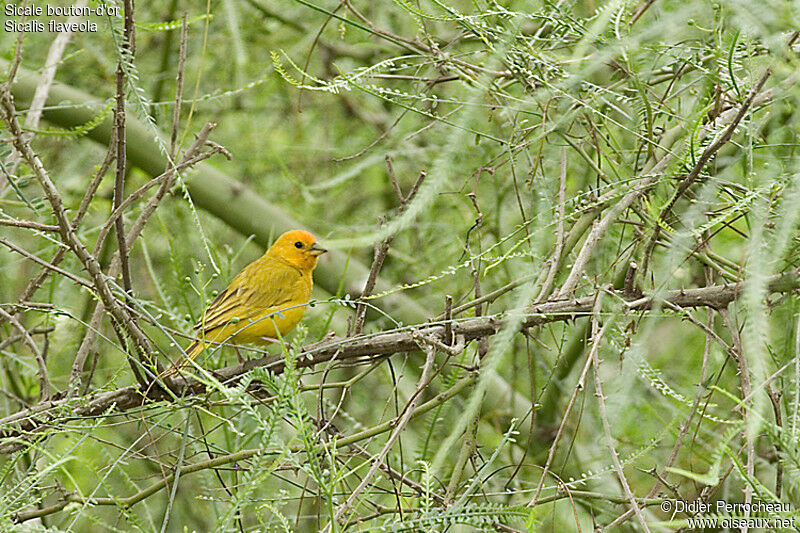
(485, 98)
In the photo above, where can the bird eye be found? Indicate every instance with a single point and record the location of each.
(298, 244)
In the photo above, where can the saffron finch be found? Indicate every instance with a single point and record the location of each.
(265, 300)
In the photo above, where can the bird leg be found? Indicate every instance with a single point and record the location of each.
(238, 355)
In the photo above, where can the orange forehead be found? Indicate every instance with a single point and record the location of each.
(297, 235)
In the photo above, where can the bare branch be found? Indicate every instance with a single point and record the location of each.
(44, 381)
(379, 345)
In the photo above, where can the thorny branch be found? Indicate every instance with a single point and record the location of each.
(716, 296)
(192, 155)
(67, 233)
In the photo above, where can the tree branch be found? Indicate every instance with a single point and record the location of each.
(16, 426)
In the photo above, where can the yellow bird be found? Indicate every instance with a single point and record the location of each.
(265, 300)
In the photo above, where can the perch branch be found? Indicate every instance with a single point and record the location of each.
(16, 425)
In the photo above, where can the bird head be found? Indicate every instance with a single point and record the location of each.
(297, 247)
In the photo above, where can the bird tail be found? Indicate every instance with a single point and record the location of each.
(192, 351)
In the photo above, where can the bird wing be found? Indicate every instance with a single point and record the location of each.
(263, 284)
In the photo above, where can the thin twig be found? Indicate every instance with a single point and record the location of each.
(707, 154)
(744, 377)
(44, 381)
(39, 99)
(597, 336)
(28, 224)
(138, 194)
(731, 117)
(191, 154)
(382, 248)
(48, 266)
(8, 341)
(393, 179)
(774, 397)
(61, 253)
(448, 317)
(388, 470)
(380, 251)
(640, 10)
(176, 112)
(489, 296)
(126, 54)
(242, 455)
(555, 259)
(12, 69)
(579, 387)
(402, 421)
(66, 231)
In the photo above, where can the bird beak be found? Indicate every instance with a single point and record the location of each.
(316, 249)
